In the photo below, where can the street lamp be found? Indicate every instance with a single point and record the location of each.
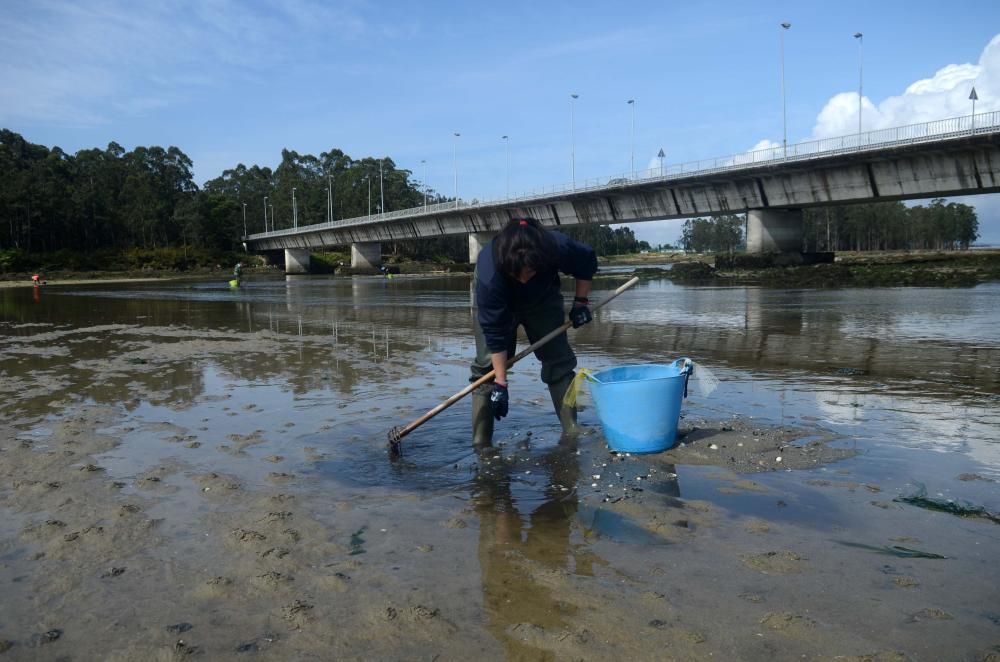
(572, 136)
(861, 62)
(381, 189)
(455, 163)
(265, 215)
(368, 178)
(506, 144)
(974, 98)
(631, 140)
(784, 115)
(295, 210)
(424, 163)
(244, 219)
(329, 188)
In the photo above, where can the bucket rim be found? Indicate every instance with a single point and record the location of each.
(593, 376)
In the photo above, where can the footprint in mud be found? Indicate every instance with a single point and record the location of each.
(338, 581)
(455, 523)
(788, 623)
(775, 563)
(757, 526)
(929, 614)
(213, 483)
(217, 587)
(127, 509)
(276, 517)
(298, 614)
(271, 581)
(426, 620)
(280, 477)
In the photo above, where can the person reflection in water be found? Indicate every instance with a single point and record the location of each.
(518, 538)
(526, 543)
(517, 284)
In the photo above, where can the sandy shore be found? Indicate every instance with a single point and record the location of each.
(141, 523)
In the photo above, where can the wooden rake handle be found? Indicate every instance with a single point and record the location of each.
(397, 433)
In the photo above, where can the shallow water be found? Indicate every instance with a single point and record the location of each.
(296, 382)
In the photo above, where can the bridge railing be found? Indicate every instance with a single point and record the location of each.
(955, 127)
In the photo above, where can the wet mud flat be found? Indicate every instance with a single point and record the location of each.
(166, 496)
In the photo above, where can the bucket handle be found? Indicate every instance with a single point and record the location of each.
(686, 367)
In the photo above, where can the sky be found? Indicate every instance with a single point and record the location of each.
(236, 81)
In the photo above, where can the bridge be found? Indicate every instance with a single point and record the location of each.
(957, 156)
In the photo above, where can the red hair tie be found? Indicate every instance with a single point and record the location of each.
(523, 222)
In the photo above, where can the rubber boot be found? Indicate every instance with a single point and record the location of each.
(482, 419)
(567, 415)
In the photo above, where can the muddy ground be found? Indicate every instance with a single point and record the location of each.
(180, 531)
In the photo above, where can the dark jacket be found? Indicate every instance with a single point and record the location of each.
(499, 297)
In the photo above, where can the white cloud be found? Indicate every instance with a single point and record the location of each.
(943, 95)
(79, 64)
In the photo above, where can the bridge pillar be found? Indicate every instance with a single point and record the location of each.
(774, 231)
(296, 261)
(366, 254)
(476, 242)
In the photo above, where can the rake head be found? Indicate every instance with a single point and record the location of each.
(395, 436)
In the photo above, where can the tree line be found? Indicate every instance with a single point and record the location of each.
(146, 198)
(891, 226)
(862, 227)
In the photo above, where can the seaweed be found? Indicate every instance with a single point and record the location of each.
(894, 550)
(960, 508)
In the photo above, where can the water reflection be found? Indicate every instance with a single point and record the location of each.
(931, 348)
(520, 532)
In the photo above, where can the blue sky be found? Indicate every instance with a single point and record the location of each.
(232, 81)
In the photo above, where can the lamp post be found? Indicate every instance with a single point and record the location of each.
(244, 219)
(631, 140)
(506, 145)
(973, 97)
(455, 164)
(368, 178)
(784, 114)
(572, 136)
(861, 67)
(381, 189)
(265, 215)
(329, 187)
(295, 210)
(423, 162)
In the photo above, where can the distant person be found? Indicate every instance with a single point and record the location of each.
(238, 273)
(37, 280)
(517, 284)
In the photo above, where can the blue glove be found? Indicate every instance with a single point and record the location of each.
(580, 314)
(499, 401)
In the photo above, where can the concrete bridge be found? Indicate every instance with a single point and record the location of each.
(959, 156)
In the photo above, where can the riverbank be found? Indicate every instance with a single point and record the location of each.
(850, 269)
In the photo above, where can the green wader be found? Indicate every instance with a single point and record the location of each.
(557, 358)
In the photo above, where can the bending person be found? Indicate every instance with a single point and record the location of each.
(517, 284)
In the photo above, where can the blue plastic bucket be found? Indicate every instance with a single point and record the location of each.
(640, 405)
